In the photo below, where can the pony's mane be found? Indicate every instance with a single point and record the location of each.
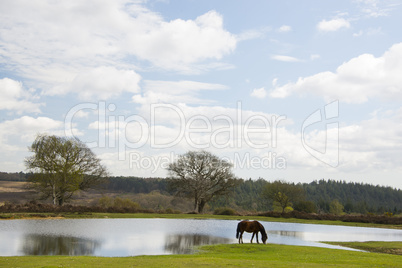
(262, 227)
(263, 232)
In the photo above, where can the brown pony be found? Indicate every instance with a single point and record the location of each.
(251, 227)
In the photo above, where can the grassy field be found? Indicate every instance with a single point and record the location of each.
(394, 247)
(232, 255)
(224, 255)
(217, 255)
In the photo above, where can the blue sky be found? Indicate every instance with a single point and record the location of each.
(292, 90)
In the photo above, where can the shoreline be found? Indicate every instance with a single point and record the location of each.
(96, 215)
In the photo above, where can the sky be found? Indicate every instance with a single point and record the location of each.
(291, 90)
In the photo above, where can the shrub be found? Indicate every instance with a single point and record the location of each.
(119, 204)
(335, 207)
(105, 201)
(125, 203)
(225, 211)
(306, 206)
(288, 209)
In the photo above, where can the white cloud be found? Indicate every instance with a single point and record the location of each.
(17, 134)
(285, 58)
(175, 92)
(53, 43)
(180, 87)
(332, 25)
(13, 97)
(314, 56)
(24, 129)
(259, 93)
(376, 8)
(250, 34)
(358, 34)
(174, 43)
(81, 114)
(356, 81)
(101, 83)
(30, 124)
(182, 127)
(284, 29)
(369, 32)
(373, 144)
(369, 146)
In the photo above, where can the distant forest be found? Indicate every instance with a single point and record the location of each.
(247, 196)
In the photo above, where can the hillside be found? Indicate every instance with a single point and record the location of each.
(154, 193)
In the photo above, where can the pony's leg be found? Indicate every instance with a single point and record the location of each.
(256, 236)
(252, 238)
(241, 238)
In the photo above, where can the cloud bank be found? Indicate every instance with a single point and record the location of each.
(356, 81)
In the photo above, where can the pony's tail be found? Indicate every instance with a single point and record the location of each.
(238, 231)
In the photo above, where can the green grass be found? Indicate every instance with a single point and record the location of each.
(394, 247)
(232, 255)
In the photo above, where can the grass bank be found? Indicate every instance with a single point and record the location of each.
(394, 247)
(92, 215)
(223, 255)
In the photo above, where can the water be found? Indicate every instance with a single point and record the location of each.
(131, 237)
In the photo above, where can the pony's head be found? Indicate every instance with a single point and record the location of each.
(264, 237)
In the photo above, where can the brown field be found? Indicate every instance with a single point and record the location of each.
(12, 186)
(18, 193)
(15, 192)
(18, 198)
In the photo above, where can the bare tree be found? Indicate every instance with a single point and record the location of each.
(201, 176)
(62, 166)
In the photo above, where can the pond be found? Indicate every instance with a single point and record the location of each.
(132, 237)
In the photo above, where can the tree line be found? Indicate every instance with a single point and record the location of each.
(247, 195)
(60, 167)
(355, 197)
(323, 196)
(14, 176)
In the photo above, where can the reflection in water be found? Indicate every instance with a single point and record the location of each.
(184, 244)
(37, 244)
(287, 233)
(128, 237)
